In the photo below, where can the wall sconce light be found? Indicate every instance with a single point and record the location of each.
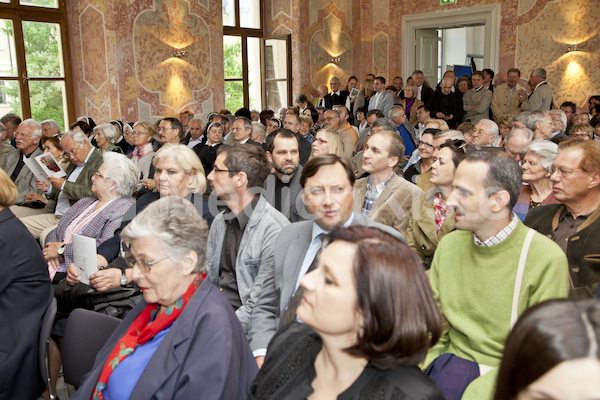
(335, 60)
(573, 47)
(180, 53)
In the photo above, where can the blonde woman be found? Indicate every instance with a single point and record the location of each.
(362, 100)
(327, 141)
(411, 103)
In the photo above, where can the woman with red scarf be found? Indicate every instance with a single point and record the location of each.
(184, 340)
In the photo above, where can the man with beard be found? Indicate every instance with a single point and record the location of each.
(282, 186)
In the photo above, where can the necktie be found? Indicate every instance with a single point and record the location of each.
(290, 315)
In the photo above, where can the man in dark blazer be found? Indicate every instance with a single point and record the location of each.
(328, 183)
(336, 96)
(25, 294)
(241, 131)
(424, 90)
(282, 187)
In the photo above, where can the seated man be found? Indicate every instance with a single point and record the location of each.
(242, 237)
(282, 187)
(27, 138)
(85, 161)
(446, 104)
(384, 196)
(488, 271)
(328, 182)
(574, 224)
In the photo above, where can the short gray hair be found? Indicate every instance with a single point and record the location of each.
(563, 118)
(178, 226)
(53, 124)
(187, 160)
(522, 117)
(526, 133)
(541, 72)
(77, 136)
(546, 149)
(385, 123)
(492, 126)
(109, 131)
(122, 171)
(36, 127)
(450, 135)
(260, 128)
(536, 115)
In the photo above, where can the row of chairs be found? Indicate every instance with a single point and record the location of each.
(85, 334)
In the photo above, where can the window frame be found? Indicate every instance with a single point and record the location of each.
(31, 13)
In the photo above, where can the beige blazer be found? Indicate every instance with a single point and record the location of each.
(393, 207)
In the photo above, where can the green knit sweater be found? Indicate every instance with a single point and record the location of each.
(474, 287)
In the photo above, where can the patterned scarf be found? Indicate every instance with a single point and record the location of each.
(142, 330)
(441, 210)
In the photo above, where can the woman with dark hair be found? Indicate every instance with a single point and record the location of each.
(369, 317)
(207, 151)
(83, 127)
(273, 124)
(265, 116)
(553, 352)
(436, 218)
(463, 84)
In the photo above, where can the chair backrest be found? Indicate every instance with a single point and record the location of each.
(44, 344)
(85, 334)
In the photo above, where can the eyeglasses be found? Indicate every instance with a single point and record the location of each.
(427, 145)
(98, 175)
(23, 135)
(532, 163)
(71, 153)
(144, 266)
(565, 173)
(161, 129)
(136, 133)
(329, 118)
(320, 141)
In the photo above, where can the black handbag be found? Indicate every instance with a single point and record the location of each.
(116, 302)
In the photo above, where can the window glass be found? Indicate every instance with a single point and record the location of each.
(276, 92)
(250, 14)
(11, 97)
(229, 12)
(8, 55)
(48, 101)
(42, 49)
(40, 3)
(254, 74)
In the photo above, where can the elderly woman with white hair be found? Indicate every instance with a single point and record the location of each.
(183, 340)
(106, 136)
(96, 217)
(537, 187)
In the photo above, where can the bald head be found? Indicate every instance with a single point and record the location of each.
(334, 84)
(446, 85)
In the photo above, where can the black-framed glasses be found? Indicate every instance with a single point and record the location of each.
(144, 266)
(217, 170)
(427, 145)
(71, 153)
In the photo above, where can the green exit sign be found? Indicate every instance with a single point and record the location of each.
(448, 1)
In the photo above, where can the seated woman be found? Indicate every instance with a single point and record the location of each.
(106, 136)
(274, 123)
(207, 151)
(362, 100)
(327, 141)
(95, 217)
(582, 131)
(24, 296)
(435, 219)
(142, 154)
(537, 186)
(306, 124)
(183, 341)
(369, 317)
(553, 352)
(504, 126)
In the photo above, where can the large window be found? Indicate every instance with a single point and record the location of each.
(34, 60)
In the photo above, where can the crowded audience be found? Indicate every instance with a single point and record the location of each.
(368, 240)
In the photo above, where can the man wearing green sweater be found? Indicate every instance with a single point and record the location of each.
(476, 269)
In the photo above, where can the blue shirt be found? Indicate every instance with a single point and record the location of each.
(409, 146)
(124, 378)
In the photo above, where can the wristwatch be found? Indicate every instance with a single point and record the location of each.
(123, 280)
(61, 250)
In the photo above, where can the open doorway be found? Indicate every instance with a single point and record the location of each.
(432, 41)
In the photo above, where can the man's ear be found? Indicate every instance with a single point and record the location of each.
(269, 156)
(594, 179)
(500, 200)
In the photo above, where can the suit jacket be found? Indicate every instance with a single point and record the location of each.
(482, 99)
(540, 99)
(294, 211)
(280, 283)
(204, 355)
(25, 294)
(5, 149)
(82, 187)
(500, 100)
(102, 227)
(255, 255)
(339, 100)
(426, 94)
(304, 148)
(583, 247)
(393, 206)
(384, 104)
(26, 179)
(421, 234)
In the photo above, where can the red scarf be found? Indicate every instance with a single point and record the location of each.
(141, 330)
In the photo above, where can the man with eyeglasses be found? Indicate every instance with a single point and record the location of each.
(331, 120)
(85, 161)
(515, 142)
(27, 139)
(485, 133)
(328, 195)
(242, 236)
(574, 224)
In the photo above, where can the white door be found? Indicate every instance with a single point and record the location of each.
(426, 51)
